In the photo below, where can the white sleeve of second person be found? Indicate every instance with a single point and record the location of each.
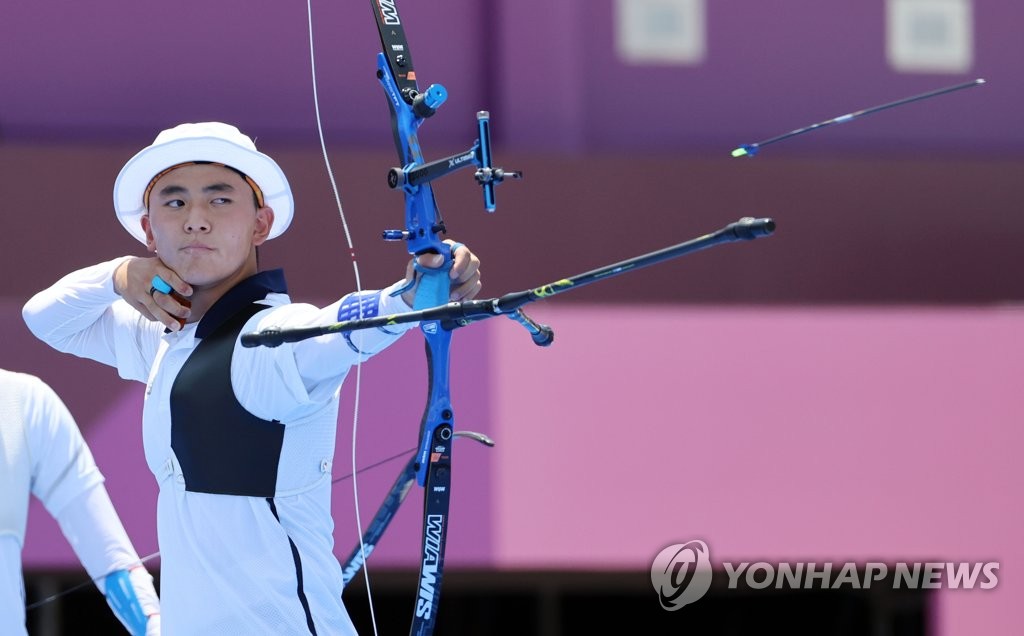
(308, 373)
(94, 530)
(70, 486)
(62, 466)
(12, 587)
(83, 315)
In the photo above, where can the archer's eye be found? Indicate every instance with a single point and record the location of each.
(174, 203)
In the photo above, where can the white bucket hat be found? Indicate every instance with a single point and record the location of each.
(208, 141)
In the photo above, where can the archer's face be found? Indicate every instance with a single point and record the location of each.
(204, 224)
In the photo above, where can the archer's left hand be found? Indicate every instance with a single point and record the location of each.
(464, 274)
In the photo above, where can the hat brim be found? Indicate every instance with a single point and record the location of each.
(133, 179)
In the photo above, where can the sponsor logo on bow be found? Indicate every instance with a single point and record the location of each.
(349, 573)
(553, 288)
(431, 556)
(388, 12)
(461, 159)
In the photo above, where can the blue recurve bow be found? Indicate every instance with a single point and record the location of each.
(424, 234)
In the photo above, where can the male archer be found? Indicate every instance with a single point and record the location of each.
(240, 439)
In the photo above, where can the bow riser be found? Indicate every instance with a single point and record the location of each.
(423, 233)
(423, 227)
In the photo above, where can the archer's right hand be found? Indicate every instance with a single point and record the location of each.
(133, 281)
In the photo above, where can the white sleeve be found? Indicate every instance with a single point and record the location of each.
(62, 466)
(94, 530)
(83, 315)
(12, 587)
(64, 477)
(307, 373)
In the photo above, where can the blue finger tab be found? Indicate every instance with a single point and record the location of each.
(160, 285)
(456, 246)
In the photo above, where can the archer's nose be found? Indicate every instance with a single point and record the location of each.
(197, 221)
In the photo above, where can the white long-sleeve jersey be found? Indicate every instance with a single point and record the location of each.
(233, 564)
(42, 452)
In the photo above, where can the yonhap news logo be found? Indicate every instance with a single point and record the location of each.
(681, 574)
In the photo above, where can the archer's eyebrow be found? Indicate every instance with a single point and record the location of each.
(171, 190)
(219, 187)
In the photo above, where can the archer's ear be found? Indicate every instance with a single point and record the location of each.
(264, 221)
(148, 229)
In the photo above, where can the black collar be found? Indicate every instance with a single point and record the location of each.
(248, 291)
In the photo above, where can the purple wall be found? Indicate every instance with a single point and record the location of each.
(850, 229)
(547, 70)
(770, 68)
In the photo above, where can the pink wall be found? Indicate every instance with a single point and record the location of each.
(843, 433)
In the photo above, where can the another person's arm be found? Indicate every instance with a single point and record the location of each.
(68, 483)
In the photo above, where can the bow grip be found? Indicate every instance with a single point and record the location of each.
(434, 283)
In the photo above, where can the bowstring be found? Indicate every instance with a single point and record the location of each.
(359, 289)
(94, 580)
